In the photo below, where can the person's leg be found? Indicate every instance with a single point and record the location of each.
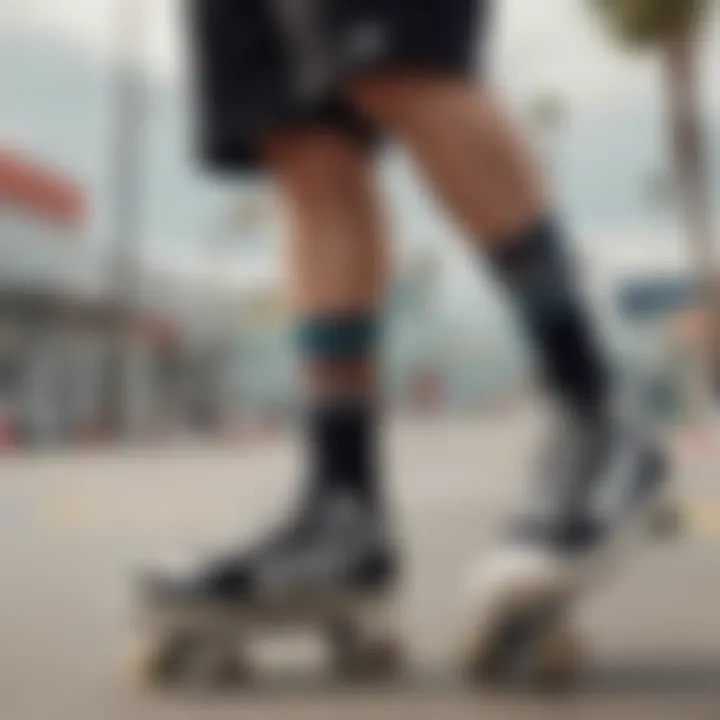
(464, 143)
(256, 114)
(331, 559)
(336, 283)
(331, 564)
(605, 470)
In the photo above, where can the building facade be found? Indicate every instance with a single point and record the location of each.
(61, 329)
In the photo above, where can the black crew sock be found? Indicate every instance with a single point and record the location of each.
(537, 270)
(341, 420)
(343, 447)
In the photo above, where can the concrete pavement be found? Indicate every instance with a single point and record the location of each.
(71, 527)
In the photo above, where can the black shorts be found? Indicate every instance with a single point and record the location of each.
(264, 65)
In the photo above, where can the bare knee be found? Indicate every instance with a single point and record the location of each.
(465, 144)
(401, 102)
(315, 166)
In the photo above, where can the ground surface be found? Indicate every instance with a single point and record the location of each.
(71, 526)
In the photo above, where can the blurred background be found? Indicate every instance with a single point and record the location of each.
(141, 299)
(146, 370)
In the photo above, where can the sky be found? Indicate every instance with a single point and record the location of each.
(613, 136)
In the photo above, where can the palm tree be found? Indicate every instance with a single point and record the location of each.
(672, 27)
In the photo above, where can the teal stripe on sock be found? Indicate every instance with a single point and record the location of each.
(340, 338)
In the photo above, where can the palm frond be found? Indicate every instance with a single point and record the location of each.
(646, 22)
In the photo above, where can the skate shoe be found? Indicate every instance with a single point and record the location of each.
(332, 567)
(603, 485)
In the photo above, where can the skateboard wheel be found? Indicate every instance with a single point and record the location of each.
(226, 669)
(161, 662)
(356, 657)
(547, 660)
(559, 659)
(486, 664)
(177, 660)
